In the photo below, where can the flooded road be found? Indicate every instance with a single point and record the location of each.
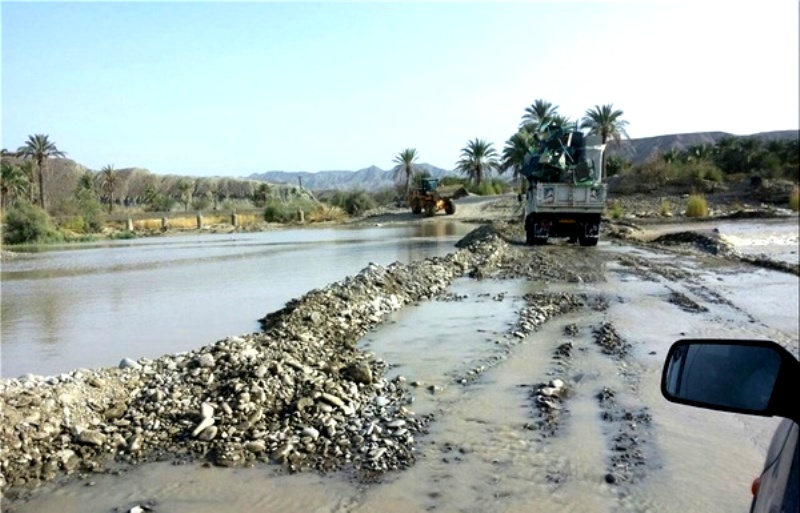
(481, 454)
(90, 306)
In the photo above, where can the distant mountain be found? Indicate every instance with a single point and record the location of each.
(374, 178)
(371, 178)
(639, 150)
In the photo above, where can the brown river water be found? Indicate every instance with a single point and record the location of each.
(478, 455)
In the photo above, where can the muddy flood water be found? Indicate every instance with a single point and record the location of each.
(481, 454)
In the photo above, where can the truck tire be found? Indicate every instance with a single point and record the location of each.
(449, 208)
(583, 240)
(589, 233)
(534, 231)
(416, 208)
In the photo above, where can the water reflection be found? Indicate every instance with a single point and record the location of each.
(90, 306)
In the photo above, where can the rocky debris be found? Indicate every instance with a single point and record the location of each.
(300, 394)
(628, 459)
(685, 303)
(773, 265)
(610, 341)
(708, 241)
(548, 401)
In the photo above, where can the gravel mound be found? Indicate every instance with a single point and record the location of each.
(300, 394)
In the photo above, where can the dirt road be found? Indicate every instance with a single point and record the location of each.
(537, 373)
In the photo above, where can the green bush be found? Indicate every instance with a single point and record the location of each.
(354, 203)
(452, 180)
(615, 209)
(698, 171)
(277, 212)
(26, 223)
(696, 206)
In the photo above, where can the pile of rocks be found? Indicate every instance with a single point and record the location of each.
(301, 393)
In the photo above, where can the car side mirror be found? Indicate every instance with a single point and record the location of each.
(755, 377)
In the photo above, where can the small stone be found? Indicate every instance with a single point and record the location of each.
(359, 372)
(206, 360)
(303, 403)
(332, 400)
(206, 410)
(256, 446)
(208, 434)
(89, 437)
(205, 423)
(310, 431)
(128, 363)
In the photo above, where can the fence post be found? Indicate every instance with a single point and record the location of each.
(164, 223)
(129, 224)
(199, 221)
(234, 219)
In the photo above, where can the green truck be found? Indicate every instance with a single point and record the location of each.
(566, 195)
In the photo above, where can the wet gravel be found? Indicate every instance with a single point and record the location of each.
(302, 395)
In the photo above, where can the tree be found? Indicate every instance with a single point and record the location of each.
(260, 195)
(562, 121)
(405, 167)
(27, 168)
(13, 183)
(516, 149)
(477, 158)
(605, 122)
(185, 189)
(40, 148)
(109, 184)
(538, 113)
(671, 156)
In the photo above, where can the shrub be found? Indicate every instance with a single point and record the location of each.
(354, 203)
(323, 212)
(26, 223)
(386, 196)
(696, 206)
(276, 212)
(794, 199)
(666, 207)
(615, 209)
(452, 180)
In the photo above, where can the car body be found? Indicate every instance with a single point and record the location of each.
(752, 377)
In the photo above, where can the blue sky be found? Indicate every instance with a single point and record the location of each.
(229, 89)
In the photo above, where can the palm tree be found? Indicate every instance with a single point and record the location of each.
(13, 183)
(477, 157)
(405, 167)
(40, 148)
(514, 152)
(539, 112)
(561, 121)
(699, 152)
(605, 122)
(671, 156)
(27, 168)
(109, 184)
(85, 182)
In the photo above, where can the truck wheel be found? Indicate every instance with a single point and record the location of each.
(416, 208)
(589, 233)
(449, 208)
(536, 233)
